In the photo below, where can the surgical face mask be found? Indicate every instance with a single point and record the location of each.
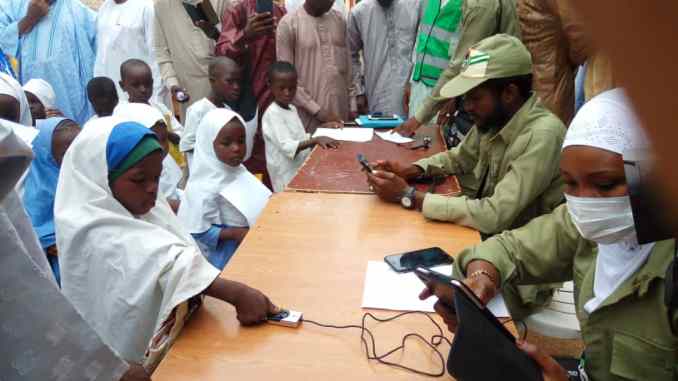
(604, 220)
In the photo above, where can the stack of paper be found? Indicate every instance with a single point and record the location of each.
(388, 290)
(394, 137)
(360, 135)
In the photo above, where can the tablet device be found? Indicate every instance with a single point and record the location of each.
(482, 348)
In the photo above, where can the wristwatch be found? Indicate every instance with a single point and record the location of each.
(407, 200)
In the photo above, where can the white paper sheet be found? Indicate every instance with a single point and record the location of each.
(389, 290)
(393, 137)
(360, 135)
(248, 195)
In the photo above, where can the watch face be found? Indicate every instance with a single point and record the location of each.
(406, 202)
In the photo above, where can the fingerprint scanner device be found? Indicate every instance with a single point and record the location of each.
(286, 318)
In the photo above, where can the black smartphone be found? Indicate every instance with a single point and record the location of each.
(264, 6)
(364, 163)
(406, 262)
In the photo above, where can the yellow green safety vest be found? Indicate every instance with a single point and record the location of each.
(438, 30)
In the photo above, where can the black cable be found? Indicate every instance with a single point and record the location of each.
(370, 345)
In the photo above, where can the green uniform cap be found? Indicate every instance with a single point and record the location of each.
(499, 56)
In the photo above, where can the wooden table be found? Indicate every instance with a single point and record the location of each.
(309, 252)
(338, 171)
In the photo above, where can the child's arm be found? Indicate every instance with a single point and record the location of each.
(251, 305)
(323, 141)
(237, 234)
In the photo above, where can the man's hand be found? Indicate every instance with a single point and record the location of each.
(446, 113)
(442, 308)
(324, 142)
(258, 25)
(387, 185)
(136, 372)
(406, 171)
(408, 128)
(176, 89)
(37, 9)
(326, 116)
(252, 305)
(551, 370)
(406, 98)
(361, 105)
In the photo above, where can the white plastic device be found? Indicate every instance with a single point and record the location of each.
(286, 318)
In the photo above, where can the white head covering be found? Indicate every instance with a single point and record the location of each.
(9, 86)
(608, 122)
(43, 90)
(209, 175)
(123, 274)
(149, 116)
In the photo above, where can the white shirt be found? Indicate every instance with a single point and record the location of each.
(194, 116)
(125, 31)
(283, 132)
(169, 178)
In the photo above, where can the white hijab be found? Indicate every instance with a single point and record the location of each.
(209, 176)
(149, 116)
(609, 122)
(124, 274)
(10, 86)
(43, 90)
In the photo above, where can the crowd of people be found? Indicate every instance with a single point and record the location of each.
(151, 126)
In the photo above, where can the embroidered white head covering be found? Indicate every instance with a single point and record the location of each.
(10, 86)
(608, 122)
(124, 274)
(43, 90)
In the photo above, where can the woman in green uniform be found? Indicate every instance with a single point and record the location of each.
(628, 331)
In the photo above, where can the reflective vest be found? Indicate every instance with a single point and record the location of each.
(438, 31)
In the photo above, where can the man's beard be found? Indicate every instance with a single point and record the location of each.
(496, 120)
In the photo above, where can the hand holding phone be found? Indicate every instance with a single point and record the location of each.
(364, 163)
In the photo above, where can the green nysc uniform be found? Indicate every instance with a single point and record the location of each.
(632, 335)
(518, 171)
(479, 19)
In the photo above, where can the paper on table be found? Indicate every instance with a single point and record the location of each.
(393, 137)
(360, 135)
(248, 195)
(389, 290)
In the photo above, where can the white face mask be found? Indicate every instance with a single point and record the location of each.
(604, 220)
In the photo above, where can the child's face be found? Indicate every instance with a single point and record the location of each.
(137, 188)
(230, 144)
(62, 137)
(160, 130)
(138, 83)
(226, 83)
(284, 87)
(37, 108)
(10, 109)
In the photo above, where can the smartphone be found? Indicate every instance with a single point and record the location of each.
(439, 284)
(406, 262)
(364, 163)
(264, 6)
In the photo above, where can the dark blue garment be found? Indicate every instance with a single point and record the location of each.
(218, 253)
(41, 183)
(124, 137)
(54, 264)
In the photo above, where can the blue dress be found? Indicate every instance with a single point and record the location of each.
(40, 188)
(60, 49)
(218, 253)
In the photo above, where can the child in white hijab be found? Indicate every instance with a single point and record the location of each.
(13, 103)
(127, 264)
(222, 199)
(152, 118)
(42, 99)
